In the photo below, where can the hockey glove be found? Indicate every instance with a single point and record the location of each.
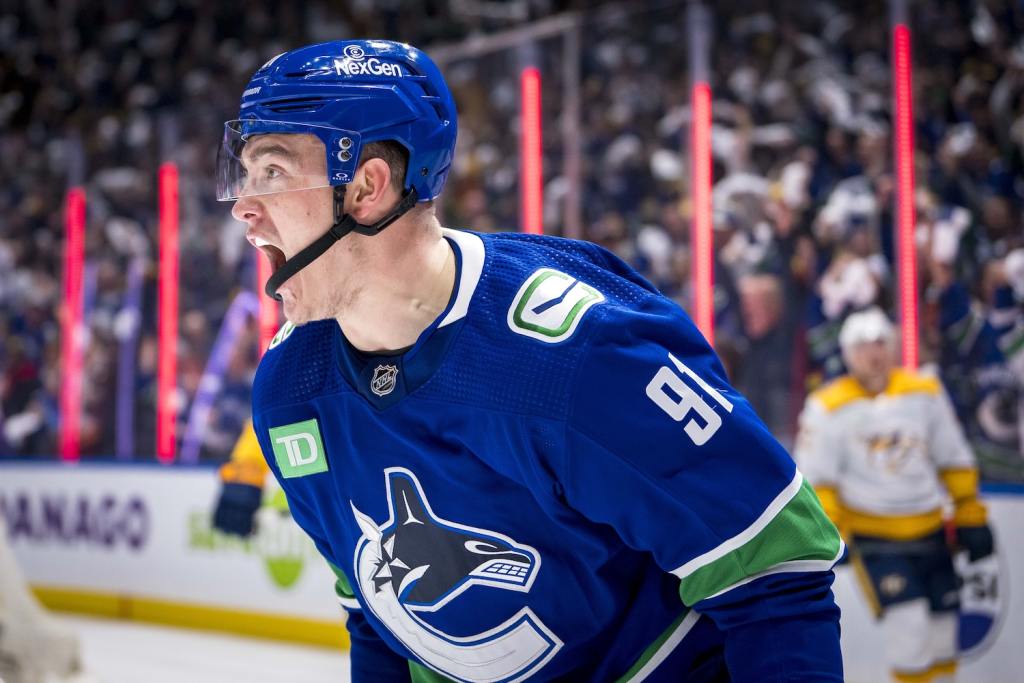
(236, 508)
(976, 540)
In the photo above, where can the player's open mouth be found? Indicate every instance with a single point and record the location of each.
(274, 255)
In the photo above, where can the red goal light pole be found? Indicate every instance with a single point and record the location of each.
(167, 306)
(72, 330)
(903, 142)
(530, 170)
(702, 271)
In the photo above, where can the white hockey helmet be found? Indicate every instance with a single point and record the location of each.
(869, 325)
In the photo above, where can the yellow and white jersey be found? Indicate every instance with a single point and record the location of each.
(886, 464)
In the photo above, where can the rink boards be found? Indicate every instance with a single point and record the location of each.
(136, 542)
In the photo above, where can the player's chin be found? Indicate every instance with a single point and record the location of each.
(294, 311)
(298, 313)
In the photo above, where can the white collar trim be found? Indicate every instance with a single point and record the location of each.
(471, 249)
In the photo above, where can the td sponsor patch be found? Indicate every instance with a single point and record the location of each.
(298, 449)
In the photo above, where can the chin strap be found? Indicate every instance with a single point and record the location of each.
(343, 225)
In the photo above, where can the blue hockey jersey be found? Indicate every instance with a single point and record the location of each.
(556, 482)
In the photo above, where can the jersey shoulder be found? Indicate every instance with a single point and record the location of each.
(547, 287)
(529, 250)
(839, 393)
(537, 303)
(845, 390)
(551, 293)
(905, 382)
(583, 305)
(298, 365)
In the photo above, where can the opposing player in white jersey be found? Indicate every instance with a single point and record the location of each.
(33, 647)
(884, 451)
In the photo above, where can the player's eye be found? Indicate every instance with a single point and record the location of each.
(272, 173)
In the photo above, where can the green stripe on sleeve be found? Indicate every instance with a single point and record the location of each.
(421, 674)
(799, 532)
(647, 654)
(342, 587)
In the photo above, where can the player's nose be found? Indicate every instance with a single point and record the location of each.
(247, 209)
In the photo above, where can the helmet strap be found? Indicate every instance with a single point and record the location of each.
(343, 225)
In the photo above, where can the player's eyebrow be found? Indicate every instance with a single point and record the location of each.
(250, 154)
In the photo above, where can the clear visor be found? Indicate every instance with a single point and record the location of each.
(267, 157)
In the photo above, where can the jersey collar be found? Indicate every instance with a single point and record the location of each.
(471, 249)
(384, 380)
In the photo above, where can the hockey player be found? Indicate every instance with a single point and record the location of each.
(34, 648)
(883, 449)
(521, 460)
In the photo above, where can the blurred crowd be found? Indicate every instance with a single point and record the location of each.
(100, 93)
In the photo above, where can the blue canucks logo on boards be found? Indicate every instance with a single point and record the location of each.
(416, 562)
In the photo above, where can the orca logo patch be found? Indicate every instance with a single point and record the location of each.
(416, 563)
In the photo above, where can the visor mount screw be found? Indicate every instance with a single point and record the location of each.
(345, 143)
(344, 155)
(424, 171)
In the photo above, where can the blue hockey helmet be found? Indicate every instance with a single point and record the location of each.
(347, 93)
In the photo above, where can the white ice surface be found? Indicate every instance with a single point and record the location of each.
(131, 652)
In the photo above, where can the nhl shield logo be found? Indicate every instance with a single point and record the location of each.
(383, 382)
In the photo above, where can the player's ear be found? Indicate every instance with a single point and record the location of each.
(369, 189)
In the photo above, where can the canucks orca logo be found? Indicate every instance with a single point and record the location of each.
(416, 562)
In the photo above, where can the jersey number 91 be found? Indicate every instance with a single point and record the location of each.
(671, 393)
